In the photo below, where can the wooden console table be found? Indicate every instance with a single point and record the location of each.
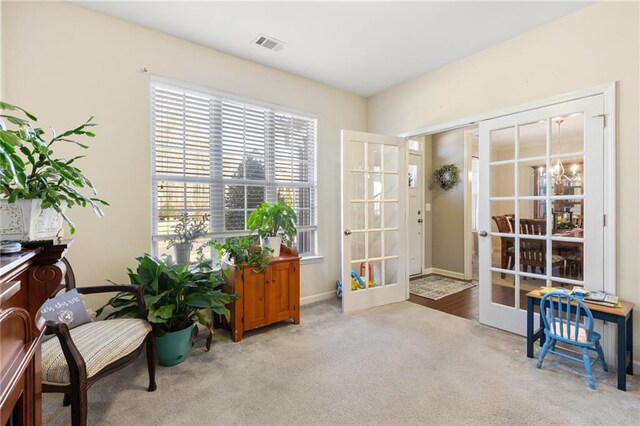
(266, 296)
(27, 279)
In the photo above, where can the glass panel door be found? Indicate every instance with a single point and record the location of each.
(541, 204)
(374, 228)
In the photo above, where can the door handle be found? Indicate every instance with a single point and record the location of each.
(419, 220)
(347, 232)
(483, 233)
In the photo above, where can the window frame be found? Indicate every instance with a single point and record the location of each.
(216, 182)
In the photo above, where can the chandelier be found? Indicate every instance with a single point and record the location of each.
(557, 171)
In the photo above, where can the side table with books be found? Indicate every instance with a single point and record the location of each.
(620, 314)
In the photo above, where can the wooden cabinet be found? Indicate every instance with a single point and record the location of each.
(266, 296)
(27, 279)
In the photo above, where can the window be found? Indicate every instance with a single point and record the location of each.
(475, 189)
(221, 156)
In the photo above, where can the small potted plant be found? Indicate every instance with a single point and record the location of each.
(36, 187)
(187, 230)
(274, 225)
(176, 297)
(243, 250)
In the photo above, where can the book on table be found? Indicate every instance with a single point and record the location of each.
(602, 298)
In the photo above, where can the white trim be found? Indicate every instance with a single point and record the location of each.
(427, 271)
(610, 187)
(606, 89)
(307, 260)
(468, 235)
(317, 297)
(450, 274)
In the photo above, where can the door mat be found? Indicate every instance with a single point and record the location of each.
(435, 287)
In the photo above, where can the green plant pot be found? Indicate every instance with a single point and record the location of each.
(173, 347)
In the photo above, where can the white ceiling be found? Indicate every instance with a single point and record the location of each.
(361, 47)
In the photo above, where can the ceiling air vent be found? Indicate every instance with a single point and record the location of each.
(269, 43)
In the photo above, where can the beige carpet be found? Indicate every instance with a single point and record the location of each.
(397, 364)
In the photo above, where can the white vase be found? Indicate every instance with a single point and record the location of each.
(25, 220)
(183, 253)
(272, 243)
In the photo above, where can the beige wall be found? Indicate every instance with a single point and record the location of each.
(594, 46)
(68, 63)
(447, 207)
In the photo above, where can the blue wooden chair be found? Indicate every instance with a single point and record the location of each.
(561, 325)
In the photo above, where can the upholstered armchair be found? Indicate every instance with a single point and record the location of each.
(77, 358)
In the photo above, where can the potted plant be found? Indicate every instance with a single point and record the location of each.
(36, 187)
(242, 250)
(274, 225)
(187, 230)
(176, 297)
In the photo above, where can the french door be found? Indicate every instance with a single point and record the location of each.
(374, 191)
(541, 206)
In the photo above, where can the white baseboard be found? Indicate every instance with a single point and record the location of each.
(636, 367)
(317, 298)
(427, 271)
(450, 274)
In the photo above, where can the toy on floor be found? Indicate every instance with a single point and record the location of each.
(356, 282)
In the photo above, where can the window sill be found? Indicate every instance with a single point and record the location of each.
(311, 259)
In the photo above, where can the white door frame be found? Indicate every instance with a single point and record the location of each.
(610, 119)
(468, 237)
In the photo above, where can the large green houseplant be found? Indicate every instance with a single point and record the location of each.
(176, 296)
(36, 186)
(274, 224)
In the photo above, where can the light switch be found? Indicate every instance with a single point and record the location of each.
(427, 207)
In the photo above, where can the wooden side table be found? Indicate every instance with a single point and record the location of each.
(266, 296)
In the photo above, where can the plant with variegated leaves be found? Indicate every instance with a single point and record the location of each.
(29, 169)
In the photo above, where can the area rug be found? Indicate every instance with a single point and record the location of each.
(435, 287)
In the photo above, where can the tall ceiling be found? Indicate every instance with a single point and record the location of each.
(361, 47)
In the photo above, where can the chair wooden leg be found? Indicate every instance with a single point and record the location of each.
(543, 352)
(603, 363)
(587, 367)
(151, 361)
(66, 401)
(79, 406)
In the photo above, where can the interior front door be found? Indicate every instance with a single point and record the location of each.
(541, 206)
(374, 190)
(416, 213)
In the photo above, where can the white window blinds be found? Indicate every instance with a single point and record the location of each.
(222, 157)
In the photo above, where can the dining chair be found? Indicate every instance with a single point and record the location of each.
(533, 252)
(77, 358)
(563, 324)
(507, 250)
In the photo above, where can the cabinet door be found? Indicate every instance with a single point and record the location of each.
(255, 298)
(279, 291)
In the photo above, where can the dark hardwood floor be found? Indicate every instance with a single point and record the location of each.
(465, 303)
(462, 304)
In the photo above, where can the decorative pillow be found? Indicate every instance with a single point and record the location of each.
(67, 308)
